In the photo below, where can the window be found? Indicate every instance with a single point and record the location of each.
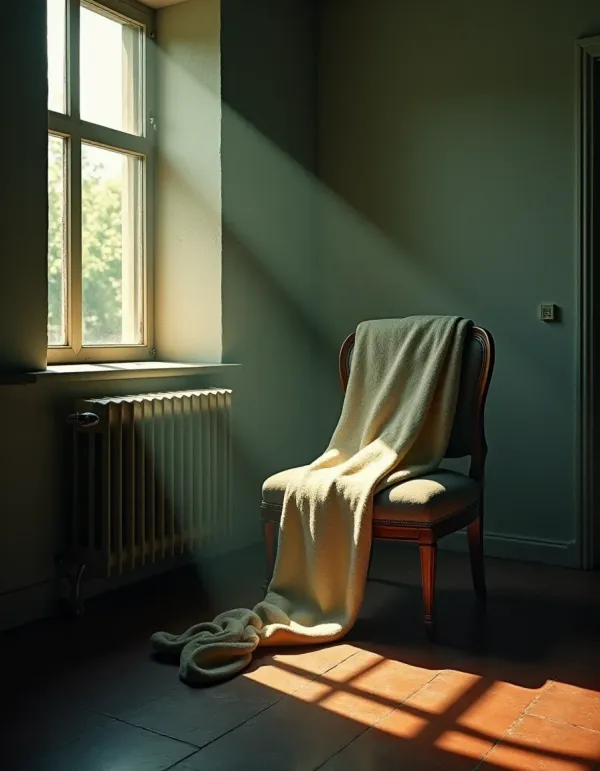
(100, 170)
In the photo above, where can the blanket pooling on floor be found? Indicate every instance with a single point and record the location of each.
(395, 425)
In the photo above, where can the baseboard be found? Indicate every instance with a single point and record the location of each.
(520, 548)
(27, 604)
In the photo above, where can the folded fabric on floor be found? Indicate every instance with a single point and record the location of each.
(395, 425)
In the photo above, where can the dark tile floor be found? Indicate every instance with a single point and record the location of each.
(518, 689)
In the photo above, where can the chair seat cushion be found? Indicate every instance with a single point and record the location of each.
(427, 499)
(421, 501)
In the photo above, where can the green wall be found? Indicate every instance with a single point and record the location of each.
(447, 153)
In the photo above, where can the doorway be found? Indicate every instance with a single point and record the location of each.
(588, 162)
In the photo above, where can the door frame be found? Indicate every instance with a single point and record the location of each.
(588, 369)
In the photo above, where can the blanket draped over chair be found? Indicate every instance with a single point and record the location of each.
(395, 425)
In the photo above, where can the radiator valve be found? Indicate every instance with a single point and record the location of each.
(83, 419)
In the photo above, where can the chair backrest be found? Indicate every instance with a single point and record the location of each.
(468, 429)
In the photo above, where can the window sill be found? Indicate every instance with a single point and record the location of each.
(121, 371)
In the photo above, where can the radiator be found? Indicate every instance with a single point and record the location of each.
(151, 478)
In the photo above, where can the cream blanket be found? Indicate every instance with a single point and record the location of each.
(395, 424)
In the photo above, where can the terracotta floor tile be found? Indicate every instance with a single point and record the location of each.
(279, 676)
(367, 662)
(472, 704)
(368, 679)
(364, 688)
(288, 671)
(537, 744)
(570, 704)
(496, 710)
(449, 691)
(308, 663)
(360, 707)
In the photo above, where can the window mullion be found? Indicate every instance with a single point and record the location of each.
(74, 291)
(75, 282)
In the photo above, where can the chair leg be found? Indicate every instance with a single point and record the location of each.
(269, 536)
(428, 554)
(475, 534)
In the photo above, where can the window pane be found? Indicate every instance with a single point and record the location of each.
(111, 247)
(57, 253)
(57, 55)
(110, 71)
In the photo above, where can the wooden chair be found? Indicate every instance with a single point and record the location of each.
(426, 509)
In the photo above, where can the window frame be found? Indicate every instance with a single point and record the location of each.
(76, 131)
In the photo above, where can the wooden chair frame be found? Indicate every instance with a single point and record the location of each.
(426, 535)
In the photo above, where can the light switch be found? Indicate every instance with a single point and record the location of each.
(548, 312)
